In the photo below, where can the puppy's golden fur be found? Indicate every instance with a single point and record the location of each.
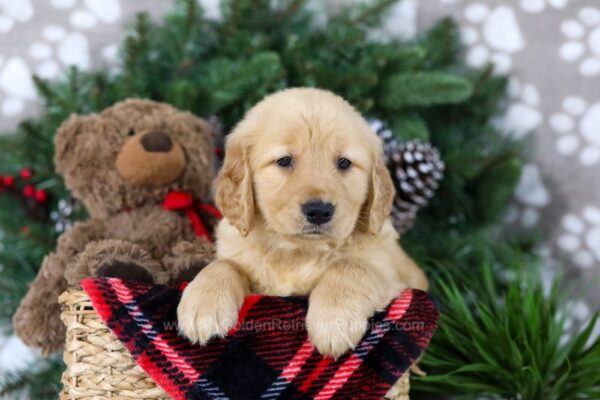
(349, 267)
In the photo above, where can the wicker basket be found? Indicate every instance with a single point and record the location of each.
(99, 367)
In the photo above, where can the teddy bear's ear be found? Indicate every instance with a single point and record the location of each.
(67, 143)
(197, 125)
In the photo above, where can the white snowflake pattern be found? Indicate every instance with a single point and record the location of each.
(581, 236)
(492, 36)
(536, 6)
(14, 11)
(583, 41)
(72, 48)
(577, 129)
(16, 86)
(576, 313)
(59, 46)
(400, 22)
(531, 196)
(522, 115)
(212, 8)
(56, 48)
(85, 14)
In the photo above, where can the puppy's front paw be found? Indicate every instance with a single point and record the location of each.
(204, 314)
(335, 329)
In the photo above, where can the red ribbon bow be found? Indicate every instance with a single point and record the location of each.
(183, 201)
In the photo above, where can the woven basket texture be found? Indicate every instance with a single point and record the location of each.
(100, 367)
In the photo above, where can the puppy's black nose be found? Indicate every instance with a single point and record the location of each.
(157, 141)
(318, 212)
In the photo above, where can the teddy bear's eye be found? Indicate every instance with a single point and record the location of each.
(131, 132)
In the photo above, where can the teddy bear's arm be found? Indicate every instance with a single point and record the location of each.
(116, 258)
(187, 258)
(37, 320)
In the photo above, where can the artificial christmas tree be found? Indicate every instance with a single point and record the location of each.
(502, 335)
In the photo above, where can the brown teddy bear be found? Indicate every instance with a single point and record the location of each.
(137, 167)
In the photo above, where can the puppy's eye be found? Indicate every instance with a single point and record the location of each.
(285, 162)
(131, 132)
(344, 164)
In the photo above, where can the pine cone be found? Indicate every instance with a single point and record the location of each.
(416, 169)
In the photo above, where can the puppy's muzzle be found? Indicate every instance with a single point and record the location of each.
(318, 212)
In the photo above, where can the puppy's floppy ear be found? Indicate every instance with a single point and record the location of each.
(381, 197)
(234, 194)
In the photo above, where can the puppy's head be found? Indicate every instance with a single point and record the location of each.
(305, 165)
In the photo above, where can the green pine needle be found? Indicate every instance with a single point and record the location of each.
(39, 381)
(426, 89)
(510, 343)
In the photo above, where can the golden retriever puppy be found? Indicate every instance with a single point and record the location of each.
(306, 199)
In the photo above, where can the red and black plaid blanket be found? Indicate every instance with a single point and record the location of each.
(267, 355)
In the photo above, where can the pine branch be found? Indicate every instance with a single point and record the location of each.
(442, 44)
(372, 14)
(531, 357)
(426, 89)
(39, 381)
(409, 126)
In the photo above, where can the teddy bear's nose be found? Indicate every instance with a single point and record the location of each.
(157, 141)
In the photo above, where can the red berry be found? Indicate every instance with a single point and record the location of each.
(29, 190)
(41, 195)
(26, 173)
(9, 181)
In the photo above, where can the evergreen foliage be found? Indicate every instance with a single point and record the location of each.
(501, 335)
